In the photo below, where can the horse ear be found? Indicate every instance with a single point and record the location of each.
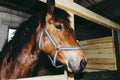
(50, 6)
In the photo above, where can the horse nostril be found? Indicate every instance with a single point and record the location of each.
(82, 64)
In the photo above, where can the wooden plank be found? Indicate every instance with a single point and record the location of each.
(92, 70)
(100, 51)
(100, 66)
(85, 13)
(97, 40)
(94, 55)
(101, 61)
(98, 46)
(49, 77)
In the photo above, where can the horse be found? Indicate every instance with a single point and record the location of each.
(49, 32)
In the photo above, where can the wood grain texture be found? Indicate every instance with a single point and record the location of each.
(100, 53)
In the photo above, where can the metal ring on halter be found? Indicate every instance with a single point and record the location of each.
(57, 49)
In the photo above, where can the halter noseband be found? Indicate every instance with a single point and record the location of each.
(57, 48)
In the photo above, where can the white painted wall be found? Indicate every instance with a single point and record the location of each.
(3, 35)
(9, 19)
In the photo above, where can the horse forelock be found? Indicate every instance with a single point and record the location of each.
(60, 14)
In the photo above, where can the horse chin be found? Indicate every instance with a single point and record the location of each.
(73, 71)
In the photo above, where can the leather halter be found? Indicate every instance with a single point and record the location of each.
(57, 48)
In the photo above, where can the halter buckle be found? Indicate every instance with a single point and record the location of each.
(57, 49)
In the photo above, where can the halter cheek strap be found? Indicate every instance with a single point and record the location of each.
(57, 48)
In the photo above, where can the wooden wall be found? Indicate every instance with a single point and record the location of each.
(100, 54)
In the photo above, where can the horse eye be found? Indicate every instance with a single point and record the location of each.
(58, 27)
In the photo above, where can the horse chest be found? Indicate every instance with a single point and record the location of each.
(24, 65)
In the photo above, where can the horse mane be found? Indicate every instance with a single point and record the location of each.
(25, 32)
(21, 37)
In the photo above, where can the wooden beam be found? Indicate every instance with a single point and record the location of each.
(70, 6)
(49, 77)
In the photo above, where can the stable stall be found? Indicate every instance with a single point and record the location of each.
(102, 51)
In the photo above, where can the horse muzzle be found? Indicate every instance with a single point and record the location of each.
(76, 66)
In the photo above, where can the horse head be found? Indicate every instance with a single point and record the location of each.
(57, 39)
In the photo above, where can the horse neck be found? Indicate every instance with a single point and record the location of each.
(27, 59)
(24, 62)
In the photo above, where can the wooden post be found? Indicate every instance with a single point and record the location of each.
(70, 76)
(72, 19)
(116, 37)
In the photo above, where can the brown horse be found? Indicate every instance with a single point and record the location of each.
(49, 32)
